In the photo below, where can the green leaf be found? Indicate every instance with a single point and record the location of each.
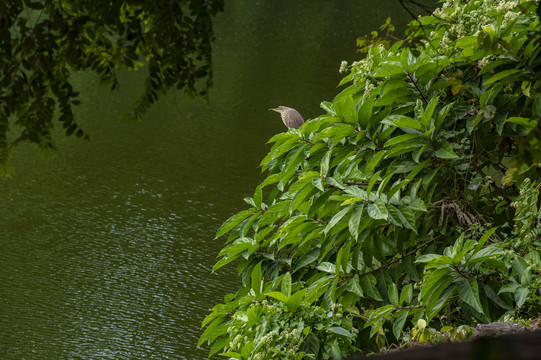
(332, 181)
(400, 138)
(353, 285)
(318, 183)
(257, 284)
(427, 258)
(468, 291)
(406, 217)
(511, 287)
(336, 218)
(388, 68)
(374, 161)
(324, 167)
(278, 296)
(417, 169)
(467, 41)
(286, 284)
(328, 107)
(406, 295)
(385, 181)
(349, 110)
(432, 279)
(365, 106)
(219, 345)
(354, 221)
(429, 111)
(308, 258)
(340, 331)
(459, 255)
(485, 254)
(212, 332)
(402, 121)
(258, 196)
(520, 265)
(326, 267)
(311, 345)
(440, 298)
(400, 320)
(446, 152)
(501, 75)
(232, 355)
(295, 300)
(396, 187)
(368, 283)
(294, 158)
(405, 147)
(536, 106)
(234, 250)
(491, 294)
(338, 264)
(521, 294)
(417, 204)
(485, 237)
(489, 67)
(377, 317)
(393, 294)
(301, 196)
(371, 182)
(233, 221)
(526, 122)
(377, 210)
(320, 201)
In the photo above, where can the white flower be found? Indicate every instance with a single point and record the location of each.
(343, 66)
(483, 62)
(368, 87)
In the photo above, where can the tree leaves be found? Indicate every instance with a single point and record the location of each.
(380, 220)
(501, 75)
(39, 57)
(355, 220)
(377, 210)
(340, 331)
(233, 221)
(468, 290)
(445, 151)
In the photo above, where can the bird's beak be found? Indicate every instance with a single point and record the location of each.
(275, 109)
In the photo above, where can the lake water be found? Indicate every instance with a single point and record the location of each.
(107, 248)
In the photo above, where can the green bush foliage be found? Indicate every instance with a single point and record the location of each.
(409, 211)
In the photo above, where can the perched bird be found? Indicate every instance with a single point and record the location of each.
(291, 117)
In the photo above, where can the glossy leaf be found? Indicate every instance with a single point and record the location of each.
(468, 291)
(377, 210)
(446, 152)
(233, 221)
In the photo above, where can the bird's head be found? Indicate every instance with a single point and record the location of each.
(279, 109)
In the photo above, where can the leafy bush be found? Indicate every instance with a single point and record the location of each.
(408, 210)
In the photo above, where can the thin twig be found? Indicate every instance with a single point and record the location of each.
(412, 80)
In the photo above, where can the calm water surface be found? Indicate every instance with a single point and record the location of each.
(107, 248)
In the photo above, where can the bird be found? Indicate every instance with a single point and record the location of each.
(291, 117)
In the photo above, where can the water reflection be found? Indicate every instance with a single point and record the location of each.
(118, 275)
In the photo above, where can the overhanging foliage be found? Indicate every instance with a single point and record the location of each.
(408, 210)
(42, 43)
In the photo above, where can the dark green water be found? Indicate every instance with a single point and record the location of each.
(107, 248)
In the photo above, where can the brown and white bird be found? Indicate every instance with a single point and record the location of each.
(291, 117)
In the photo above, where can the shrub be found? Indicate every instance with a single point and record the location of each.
(409, 208)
